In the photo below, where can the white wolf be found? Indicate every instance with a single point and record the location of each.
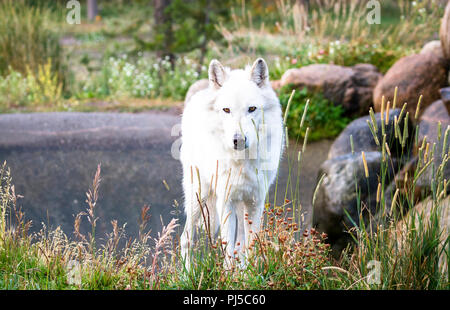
(232, 141)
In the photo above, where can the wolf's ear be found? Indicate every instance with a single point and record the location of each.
(259, 72)
(217, 74)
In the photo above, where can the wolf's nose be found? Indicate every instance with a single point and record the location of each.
(239, 142)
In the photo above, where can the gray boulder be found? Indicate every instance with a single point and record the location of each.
(363, 139)
(337, 208)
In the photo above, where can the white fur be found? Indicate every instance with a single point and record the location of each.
(231, 184)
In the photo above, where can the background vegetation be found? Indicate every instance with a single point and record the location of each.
(133, 58)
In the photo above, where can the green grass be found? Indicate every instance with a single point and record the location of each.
(409, 249)
(282, 257)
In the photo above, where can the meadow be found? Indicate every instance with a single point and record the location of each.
(412, 251)
(47, 65)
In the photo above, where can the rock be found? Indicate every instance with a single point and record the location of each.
(415, 75)
(363, 139)
(424, 211)
(350, 87)
(276, 84)
(196, 87)
(403, 181)
(431, 116)
(444, 33)
(433, 47)
(428, 127)
(336, 197)
(445, 96)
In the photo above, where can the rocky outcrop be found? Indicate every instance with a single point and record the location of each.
(349, 87)
(346, 191)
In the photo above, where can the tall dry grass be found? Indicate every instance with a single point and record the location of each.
(28, 38)
(330, 20)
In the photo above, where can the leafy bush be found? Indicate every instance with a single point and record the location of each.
(13, 90)
(324, 119)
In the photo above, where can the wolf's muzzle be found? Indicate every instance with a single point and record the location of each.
(239, 142)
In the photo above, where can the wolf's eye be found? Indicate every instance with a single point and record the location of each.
(252, 109)
(226, 110)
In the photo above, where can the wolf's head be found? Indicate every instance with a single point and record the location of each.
(243, 97)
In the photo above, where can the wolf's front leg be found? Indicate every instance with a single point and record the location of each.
(227, 218)
(249, 217)
(187, 237)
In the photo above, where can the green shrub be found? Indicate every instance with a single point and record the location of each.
(40, 88)
(352, 53)
(338, 53)
(324, 119)
(144, 78)
(27, 38)
(13, 90)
